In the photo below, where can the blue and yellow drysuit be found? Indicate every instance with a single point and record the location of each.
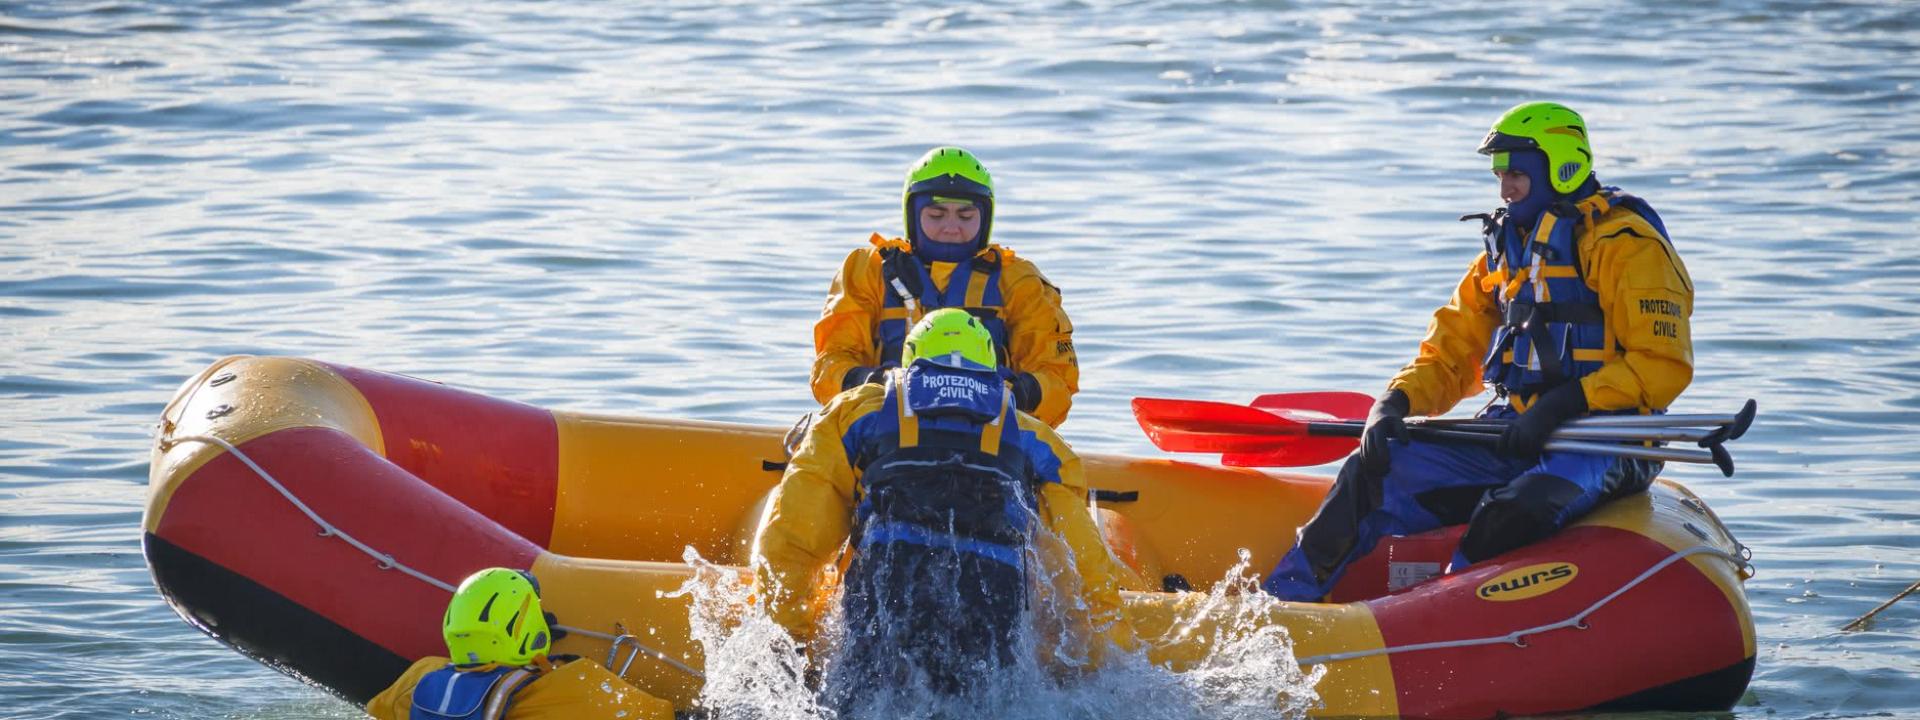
(566, 688)
(934, 482)
(1592, 293)
(882, 290)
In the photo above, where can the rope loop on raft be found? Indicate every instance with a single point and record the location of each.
(385, 561)
(1578, 621)
(1741, 560)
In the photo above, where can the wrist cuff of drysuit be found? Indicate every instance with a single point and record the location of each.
(1397, 399)
(1026, 392)
(855, 377)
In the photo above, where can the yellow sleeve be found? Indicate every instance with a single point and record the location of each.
(583, 690)
(1450, 362)
(843, 337)
(1064, 506)
(810, 514)
(1647, 297)
(396, 702)
(1039, 336)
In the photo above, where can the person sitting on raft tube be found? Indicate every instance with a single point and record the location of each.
(1577, 305)
(498, 638)
(943, 487)
(946, 261)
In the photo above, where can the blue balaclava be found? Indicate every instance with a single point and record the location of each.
(1527, 210)
(930, 251)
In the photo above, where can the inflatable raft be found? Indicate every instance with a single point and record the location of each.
(313, 517)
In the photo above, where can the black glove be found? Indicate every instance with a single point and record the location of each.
(1527, 435)
(1026, 392)
(1385, 421)
(865, 374)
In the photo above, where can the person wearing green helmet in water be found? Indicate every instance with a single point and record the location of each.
(1577, 305)
(939, 489)
(946, 261)
(499, 668)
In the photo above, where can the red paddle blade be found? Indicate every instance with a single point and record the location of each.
(1301, 452)
(1339, 405)
(1211, 427)
(1273, 434)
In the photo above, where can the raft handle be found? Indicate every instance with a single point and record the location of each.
(622, 637)
(637, 647)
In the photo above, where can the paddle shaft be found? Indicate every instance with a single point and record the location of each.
(1629, 421)
(1571, 431)
(1708, 457)
(1721, 427)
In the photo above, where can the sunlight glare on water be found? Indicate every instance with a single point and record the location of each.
(636, 208)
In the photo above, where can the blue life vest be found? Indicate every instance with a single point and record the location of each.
(939, 474)
(937, 590)
(1553, 329)
(477, 694)
(910, 294)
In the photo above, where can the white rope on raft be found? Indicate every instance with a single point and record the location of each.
(1518, 638)
(387, 562)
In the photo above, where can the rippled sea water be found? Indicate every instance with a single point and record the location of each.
(636, 207)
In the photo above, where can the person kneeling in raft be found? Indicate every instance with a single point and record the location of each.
(498, 639)
(946, 261)
(1578, 305)
(949, 498)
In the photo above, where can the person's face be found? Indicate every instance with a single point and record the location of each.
(950, 222)
(1514, 185)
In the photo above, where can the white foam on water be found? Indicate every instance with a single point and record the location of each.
(756, 671)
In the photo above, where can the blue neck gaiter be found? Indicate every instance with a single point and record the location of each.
(930, 251)
(1527, 210)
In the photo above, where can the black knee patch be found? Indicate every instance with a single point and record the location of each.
(1521, 512)
(1454, 505)
(1329, 536)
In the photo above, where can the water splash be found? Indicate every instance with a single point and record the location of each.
(755, 671)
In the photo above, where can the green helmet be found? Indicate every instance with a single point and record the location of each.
(949, 172)
(1551, 128)
(495, 617)
(950, 337)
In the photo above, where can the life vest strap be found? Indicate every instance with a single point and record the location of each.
(909, 423)
(1520, 313)
(885, 532)
(991, 433)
